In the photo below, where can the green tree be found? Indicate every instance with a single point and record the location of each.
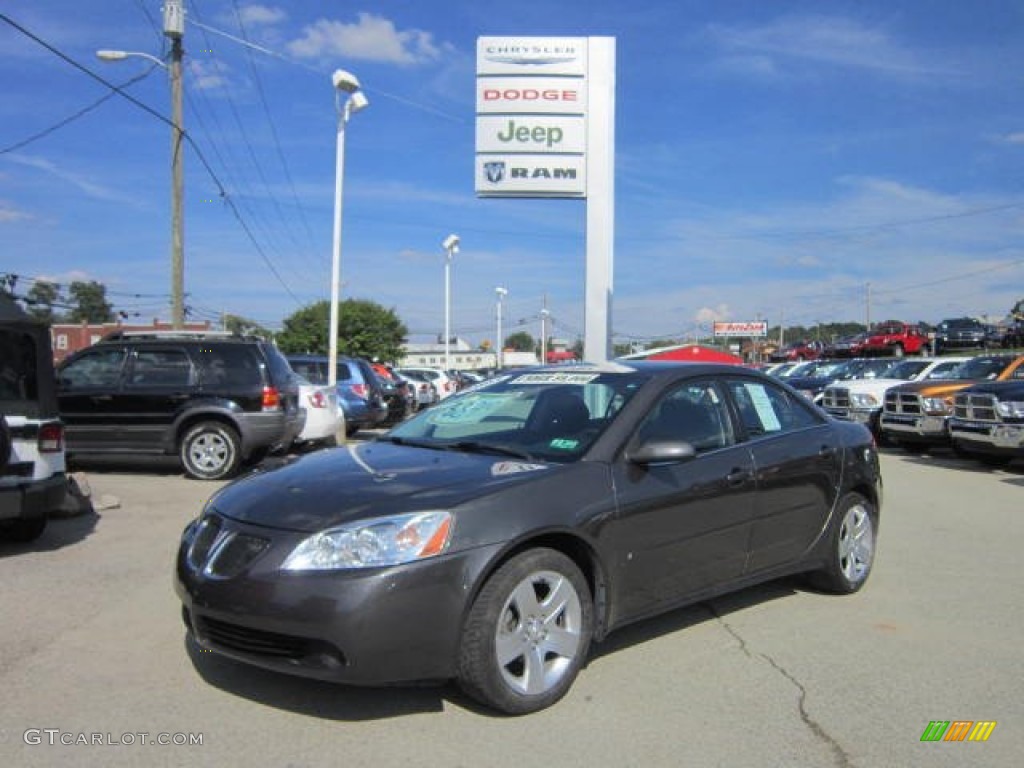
(89, 303)
(521, 342)
(243, 326)
(365, 329)
(41, 298)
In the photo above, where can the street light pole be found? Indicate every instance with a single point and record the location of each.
(344, 82)
(500, 346)
(451, 247)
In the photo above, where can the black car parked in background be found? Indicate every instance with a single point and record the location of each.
(213, 400)
(963, 333)
(494, 536)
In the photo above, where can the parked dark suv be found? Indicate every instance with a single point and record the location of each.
(32, 479)
(214, 400)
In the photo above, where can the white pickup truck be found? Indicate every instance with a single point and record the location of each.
(861, 399)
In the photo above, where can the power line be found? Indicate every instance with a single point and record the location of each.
(191, 142)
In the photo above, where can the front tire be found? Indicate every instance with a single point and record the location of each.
(851, 550)
(210, 451)
(527, 634)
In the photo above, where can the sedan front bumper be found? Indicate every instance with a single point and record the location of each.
(362, 626)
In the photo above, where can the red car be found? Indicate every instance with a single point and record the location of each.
(798, 351)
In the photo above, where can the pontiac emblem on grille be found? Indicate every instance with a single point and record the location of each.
(495, 171)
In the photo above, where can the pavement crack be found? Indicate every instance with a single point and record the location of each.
(842, 759)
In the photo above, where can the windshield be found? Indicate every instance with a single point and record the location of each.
(863, 369)
(537, 415)
(981, 368)
(904, 369)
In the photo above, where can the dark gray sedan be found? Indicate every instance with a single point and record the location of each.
(493, 537)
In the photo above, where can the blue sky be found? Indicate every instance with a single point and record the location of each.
(772, 160)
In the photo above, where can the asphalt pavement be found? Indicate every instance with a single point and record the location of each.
(95, 669)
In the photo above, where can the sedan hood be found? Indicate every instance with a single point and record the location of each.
(331, 487)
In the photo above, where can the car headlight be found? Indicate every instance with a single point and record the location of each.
(1011, 409)
(373, 543)
(863, 400)
(936, 405)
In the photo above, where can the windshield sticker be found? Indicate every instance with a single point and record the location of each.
(564, 444)
(555, 378)
(763, 406)
(514, 468)
(468, 408)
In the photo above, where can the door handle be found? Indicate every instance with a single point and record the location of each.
(737, 477)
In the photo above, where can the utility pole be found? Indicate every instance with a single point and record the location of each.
(867, 305)
(174, 28)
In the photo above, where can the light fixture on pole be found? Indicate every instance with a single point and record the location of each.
(500, 345)
(451, 247)
(347, 83)
(174, 28)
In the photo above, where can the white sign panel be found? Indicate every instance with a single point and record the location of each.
(534, 134)
(759, 328)
(536, 95)
(531, 176)
(531, 56)
(531, 102)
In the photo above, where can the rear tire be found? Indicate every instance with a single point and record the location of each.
(527, 633)
(210, 450)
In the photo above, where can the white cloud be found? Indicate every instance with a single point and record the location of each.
(208, 76)
(1014, 138)
(713, 314)
(825, 40)
(251, 15)
(371, 38)
(91, 189)
(9, 213)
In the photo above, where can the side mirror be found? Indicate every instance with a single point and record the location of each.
(654, 452)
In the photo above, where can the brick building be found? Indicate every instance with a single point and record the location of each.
(71, 337)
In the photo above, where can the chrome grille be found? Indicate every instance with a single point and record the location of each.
(221, 553)
(975, 407)
(836, 397)
(903, 402)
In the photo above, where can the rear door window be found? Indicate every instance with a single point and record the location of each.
(18, 370)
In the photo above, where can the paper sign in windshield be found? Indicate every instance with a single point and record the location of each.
(763, 406)
(470, 408)
(555, 378)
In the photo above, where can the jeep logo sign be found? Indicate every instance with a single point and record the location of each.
(530, 133)
(531, 127)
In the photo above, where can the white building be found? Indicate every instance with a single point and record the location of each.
(463, 357)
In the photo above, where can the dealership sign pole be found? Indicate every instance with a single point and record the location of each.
(546, 129)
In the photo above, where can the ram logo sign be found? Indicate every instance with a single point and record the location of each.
(529, 175)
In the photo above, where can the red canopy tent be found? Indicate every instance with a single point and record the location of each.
(694, 353)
